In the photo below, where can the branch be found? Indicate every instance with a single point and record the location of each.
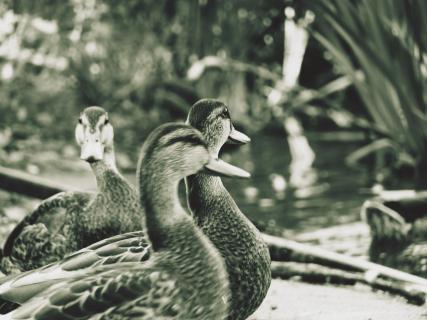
(20, 182)
(325, 257)
(317, 274)
(199, 67)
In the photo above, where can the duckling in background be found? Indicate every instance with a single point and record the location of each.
(185, 277)
(69, 221)
(239, 242)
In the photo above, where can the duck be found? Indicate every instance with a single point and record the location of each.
(395, 242)
(185, 277)
(214, 210)
(69, 221)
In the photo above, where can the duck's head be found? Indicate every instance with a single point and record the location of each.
(94, 134)
(213, 120)
(179, 150)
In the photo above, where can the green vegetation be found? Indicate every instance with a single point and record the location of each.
(132, 58)
(129, 57)
(381, 46)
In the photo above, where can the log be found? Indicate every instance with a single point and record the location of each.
(20, 182)
(351, 239)
(313, 273)
(329, 258)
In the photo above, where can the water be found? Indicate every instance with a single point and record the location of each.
(335, 197)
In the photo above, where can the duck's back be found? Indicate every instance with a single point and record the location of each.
(70, 221)
(40, 238)
(114, 210)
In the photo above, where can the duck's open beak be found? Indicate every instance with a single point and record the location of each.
(219, 167)
(92, 149)
(237, 137)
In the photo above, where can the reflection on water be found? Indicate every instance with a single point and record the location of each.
(335, 197)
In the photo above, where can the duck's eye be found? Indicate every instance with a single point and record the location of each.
(80, 121)
(225, 113)
(106, 121)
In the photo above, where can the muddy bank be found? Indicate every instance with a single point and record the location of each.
(288, 300)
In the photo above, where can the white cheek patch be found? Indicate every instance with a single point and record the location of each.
(107, 135)
(79, 134)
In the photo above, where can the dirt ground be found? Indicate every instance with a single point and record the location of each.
(289, 300)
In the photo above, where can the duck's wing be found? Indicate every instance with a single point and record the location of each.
(50, 212)
(128, 247)
(38, 238)
(128, 290)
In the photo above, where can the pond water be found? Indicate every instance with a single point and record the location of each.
(333, 194)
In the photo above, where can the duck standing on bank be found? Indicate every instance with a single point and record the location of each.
(240, 244)
(185, 277)
(69, 221)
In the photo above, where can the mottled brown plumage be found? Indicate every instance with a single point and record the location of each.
(69, 221)
(184, 279)
(114, 210)
(216, 213)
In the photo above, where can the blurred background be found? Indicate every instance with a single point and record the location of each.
(332, 94)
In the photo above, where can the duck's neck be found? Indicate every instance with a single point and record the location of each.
(202, 189)
(159, 196)
(110, 158)
(177, 240)
(103, 167)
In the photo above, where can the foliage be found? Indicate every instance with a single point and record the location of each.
(129, 57)
(379, 45)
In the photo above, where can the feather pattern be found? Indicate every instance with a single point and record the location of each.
(39, 238)
(69, 221)
(129, 247)
(239, 242)
(185, 277)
